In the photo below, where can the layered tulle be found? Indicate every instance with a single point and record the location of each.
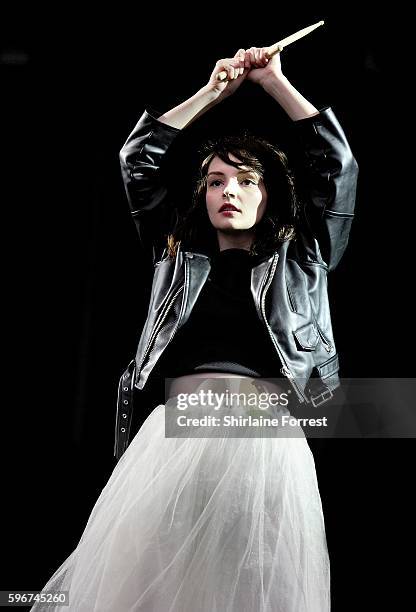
(202, 524)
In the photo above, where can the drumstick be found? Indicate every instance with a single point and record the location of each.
(279, 46)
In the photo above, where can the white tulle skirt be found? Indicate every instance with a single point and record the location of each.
(202, 525)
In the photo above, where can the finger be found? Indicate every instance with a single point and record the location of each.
(247, 61)
(239, 62)
(238, 65)
(252, 58)
(242, 60)
(239, 53)
(264, 57)
(228, 66)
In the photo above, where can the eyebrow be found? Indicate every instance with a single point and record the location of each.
(240, 172)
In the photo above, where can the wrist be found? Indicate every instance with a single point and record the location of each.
(289, 98)
(185, 113)
(274, 83)
(208, 95)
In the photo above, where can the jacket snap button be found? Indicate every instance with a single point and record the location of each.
(124, 416)
(125, 388)
(125, 376)
(125, 401)
(123, 429)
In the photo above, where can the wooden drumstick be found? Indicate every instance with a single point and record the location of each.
(279, 46)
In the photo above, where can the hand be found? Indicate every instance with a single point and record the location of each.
(236, 67)
(263, 69)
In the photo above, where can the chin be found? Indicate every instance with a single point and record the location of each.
(228, 226)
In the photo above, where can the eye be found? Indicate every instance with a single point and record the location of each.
(247, 180)
(214, 183)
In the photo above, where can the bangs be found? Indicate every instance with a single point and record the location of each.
(248, 159)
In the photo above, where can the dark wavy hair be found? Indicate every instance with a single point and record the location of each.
(194, 229)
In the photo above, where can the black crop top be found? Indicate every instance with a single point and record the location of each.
(223, 332)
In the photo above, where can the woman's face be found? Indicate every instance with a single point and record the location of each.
(240, 187)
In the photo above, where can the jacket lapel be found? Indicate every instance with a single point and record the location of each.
(197, 268)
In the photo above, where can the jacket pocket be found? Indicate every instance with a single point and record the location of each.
(307, 337)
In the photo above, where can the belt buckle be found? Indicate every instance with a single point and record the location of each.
(323, 397)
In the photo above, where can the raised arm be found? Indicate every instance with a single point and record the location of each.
(143, 154)
(141, 160)
(329, 170)
(330, 174)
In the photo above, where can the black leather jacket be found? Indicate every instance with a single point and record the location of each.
(289, 288)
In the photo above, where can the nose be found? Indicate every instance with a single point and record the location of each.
(229, 190)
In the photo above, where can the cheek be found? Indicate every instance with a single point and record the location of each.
(263, 200)
(263, 195)
(259, 199)
(262, 205)
(210, 202)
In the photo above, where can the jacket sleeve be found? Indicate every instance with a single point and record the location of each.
(141, 159)
(329, 180)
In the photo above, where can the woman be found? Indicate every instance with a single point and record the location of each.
(232, 521)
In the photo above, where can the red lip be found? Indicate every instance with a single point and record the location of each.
(228, 206)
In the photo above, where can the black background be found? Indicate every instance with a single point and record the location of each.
(76, 284)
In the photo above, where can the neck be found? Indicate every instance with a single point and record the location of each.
(237, 240)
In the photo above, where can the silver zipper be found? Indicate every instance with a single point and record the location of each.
(284, 369)
(185, 286)
(163, 315)
(326, 343)
(158, 325)
(290, 298)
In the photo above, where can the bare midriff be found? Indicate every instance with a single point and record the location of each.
(189, 382)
